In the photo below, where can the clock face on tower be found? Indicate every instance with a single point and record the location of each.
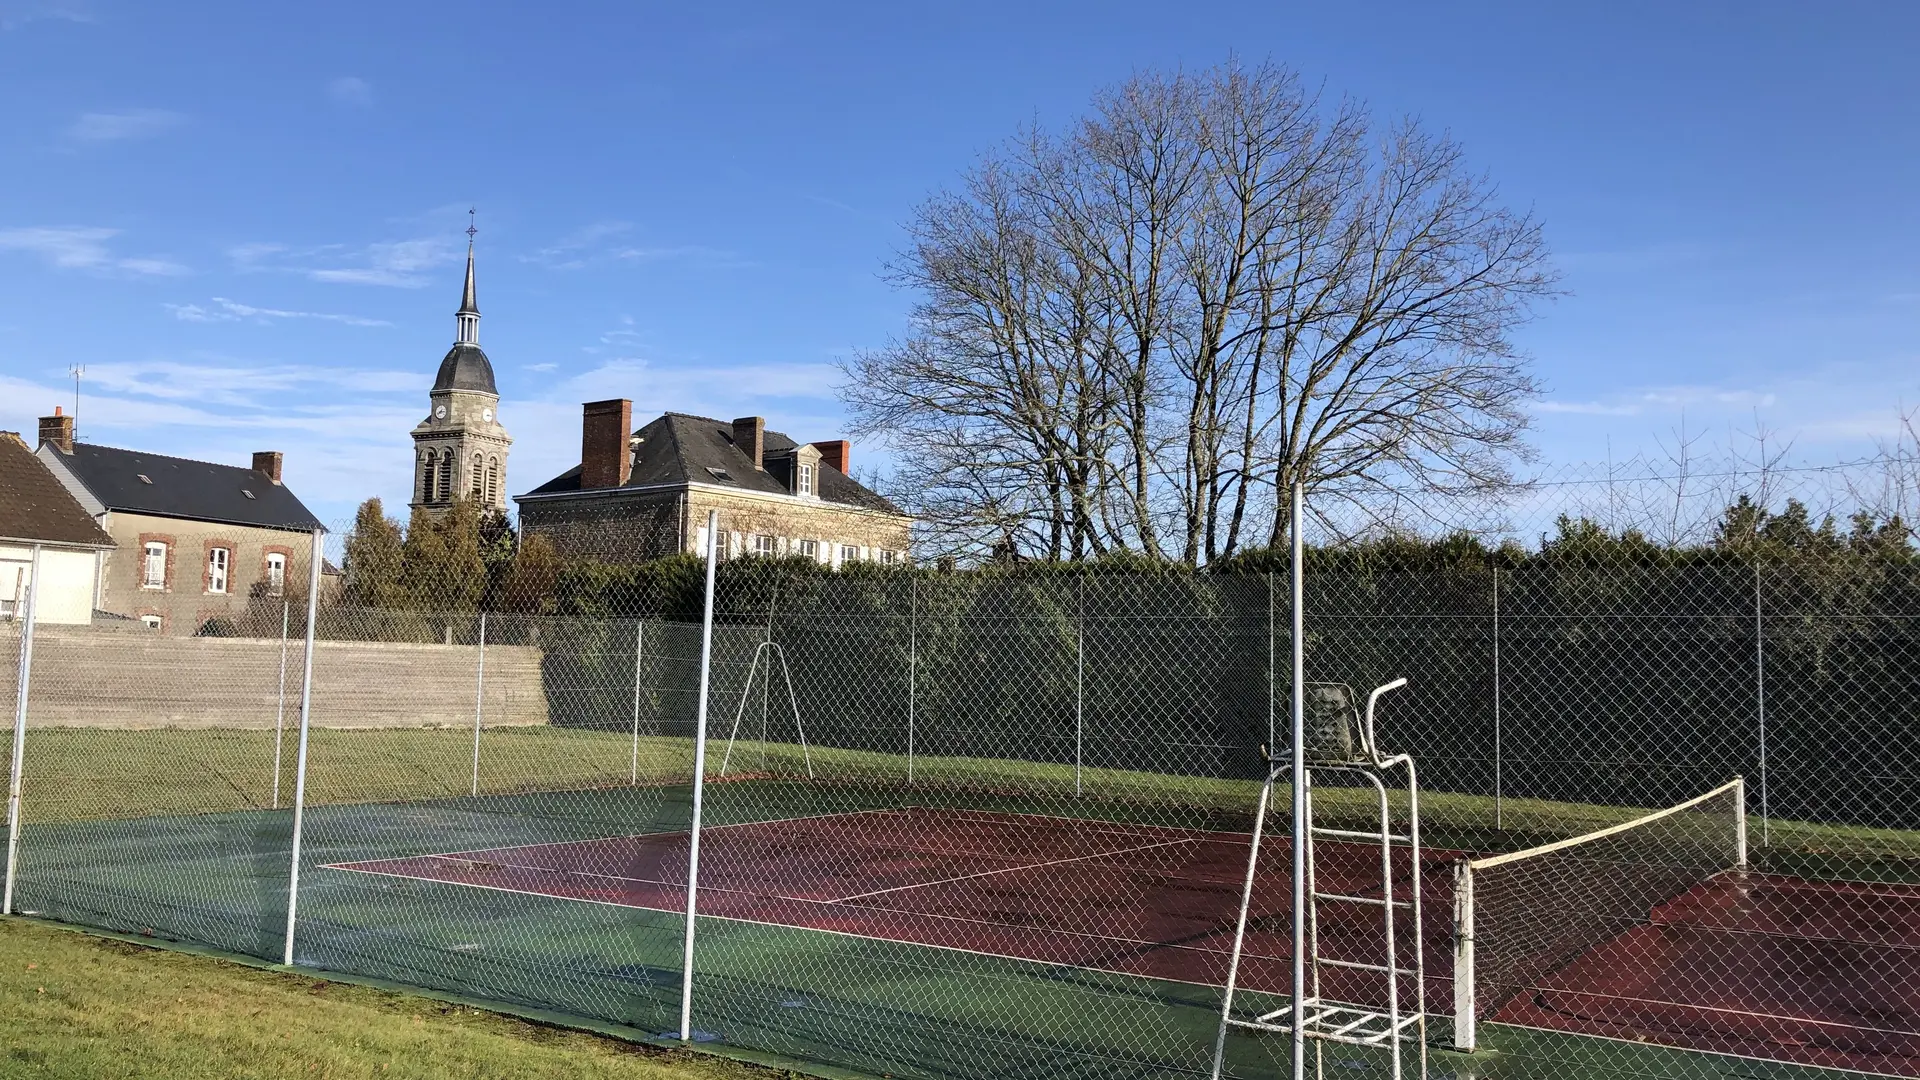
(487, 415)
(440, 412)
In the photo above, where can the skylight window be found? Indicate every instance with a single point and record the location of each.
(247, 493)
(720, 474)
(144, 478)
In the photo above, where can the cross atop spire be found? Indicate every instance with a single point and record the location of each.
(467, 319)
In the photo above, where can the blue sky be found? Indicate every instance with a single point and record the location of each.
(244, 219)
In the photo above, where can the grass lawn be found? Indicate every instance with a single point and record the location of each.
(79, 1006)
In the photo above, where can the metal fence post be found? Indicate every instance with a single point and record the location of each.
(1499, 777)
(1760, 697)
(280, 704)
(1298, 760)
(479, 698)
(16, 772)
(300, 755)
(640, 652)
(699, 781)
(913, 661)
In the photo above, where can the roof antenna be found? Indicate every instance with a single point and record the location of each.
(76, 370)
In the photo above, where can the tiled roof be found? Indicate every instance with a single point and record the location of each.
(144, 483)
(677, 448)
(34, 505)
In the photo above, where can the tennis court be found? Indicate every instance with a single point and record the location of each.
(1760, 966)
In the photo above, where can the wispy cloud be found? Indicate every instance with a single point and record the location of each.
(105, 127)
(1661, 400)
(543, 367)
(16, 13)
(397, 264)
(351, 90)
(80, 247)
(225, 310)
(594, 245)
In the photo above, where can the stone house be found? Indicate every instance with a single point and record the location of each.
(194, 541)
(36, 512)
(642, 493)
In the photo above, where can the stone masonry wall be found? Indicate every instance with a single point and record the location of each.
(131, 678)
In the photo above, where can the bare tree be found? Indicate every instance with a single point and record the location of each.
(1134, 334)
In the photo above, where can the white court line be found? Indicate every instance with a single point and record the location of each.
(628, 836)
(1007, 870)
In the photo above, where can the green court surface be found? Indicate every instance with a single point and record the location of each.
(219, 880)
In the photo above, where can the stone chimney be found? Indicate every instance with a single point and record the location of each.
(750, 435)
(268, 461)
(58, 430)
(605, 458)
(835, 452)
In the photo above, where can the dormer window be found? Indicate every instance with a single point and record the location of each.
(804, 485)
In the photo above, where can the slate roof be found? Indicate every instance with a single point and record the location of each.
(465, 367)
(184, 488)
(676, 448)
(34, 505)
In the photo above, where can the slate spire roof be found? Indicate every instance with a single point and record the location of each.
(465, 367)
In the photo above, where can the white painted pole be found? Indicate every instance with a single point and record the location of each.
(280, 705)
(1298, 759)
(300, 754)
(699, 780)
(21, 683)
(1079, 682)
(640, 650)
(1760, 693)
(479, 698)
(1464, 1003)
(1499, 777)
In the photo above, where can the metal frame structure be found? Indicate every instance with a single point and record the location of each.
(1311, 1016)
(769, 649)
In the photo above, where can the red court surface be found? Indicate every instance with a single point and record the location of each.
(1820, 973)
(1760, 966)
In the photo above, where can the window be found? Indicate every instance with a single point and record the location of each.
(810, 549)
(720, 474)
(763, 545)
(478, 487)
(151, 622)
(849, 553)
(445, 487)
(493, 480)
(426, 476)
(805, 486)
(218, 559)
(153, 574)
(888, 557)
(276, 574)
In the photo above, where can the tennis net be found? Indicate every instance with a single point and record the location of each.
(1520, 916)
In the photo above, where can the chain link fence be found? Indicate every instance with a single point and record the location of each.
(997, 822)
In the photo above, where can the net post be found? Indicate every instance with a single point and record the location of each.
(640, 652)
(1740, 821)
(479, 697)
(699, 782)
(16, 772)
(1298, 763)
(280, 705)
(1464, 1035)
(300, 754)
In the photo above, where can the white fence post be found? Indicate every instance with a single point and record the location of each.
(300, 755)
(1299, 780)
(1760, 694)
(1499, 777)
(699, 781)
(1079, 681)
(639, 650)
(479, 699)
(32, 608)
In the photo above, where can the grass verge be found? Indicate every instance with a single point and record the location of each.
(74, 1005)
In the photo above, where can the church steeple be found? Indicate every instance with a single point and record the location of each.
(467, 319)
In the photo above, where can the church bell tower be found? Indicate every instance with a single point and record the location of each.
(460, 449)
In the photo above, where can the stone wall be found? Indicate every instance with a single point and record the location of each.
(133, 679)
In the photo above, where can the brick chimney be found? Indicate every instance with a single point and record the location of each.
(605, 459)
(58, 430)
(750, 435)
(835, 452)
(268, 461)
